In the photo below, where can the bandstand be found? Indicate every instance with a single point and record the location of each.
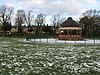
(70, 30)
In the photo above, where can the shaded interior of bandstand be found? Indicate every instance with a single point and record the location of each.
(69, 34)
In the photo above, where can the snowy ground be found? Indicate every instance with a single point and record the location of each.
(87, 41)
(26, 58)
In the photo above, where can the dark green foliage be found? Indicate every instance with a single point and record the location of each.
(47, 29)
(5, 18)
(90, 22)
(30, 30)
(6, 26)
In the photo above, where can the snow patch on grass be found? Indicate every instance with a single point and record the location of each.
(24, 58)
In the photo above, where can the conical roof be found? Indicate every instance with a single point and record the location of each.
(69, 23)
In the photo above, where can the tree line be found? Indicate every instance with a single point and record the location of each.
(89, 20)
(23, 17)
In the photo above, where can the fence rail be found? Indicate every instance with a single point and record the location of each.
(54, 39)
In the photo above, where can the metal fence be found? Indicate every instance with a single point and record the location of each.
(54, 39)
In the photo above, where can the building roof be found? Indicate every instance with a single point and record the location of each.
(69, 23)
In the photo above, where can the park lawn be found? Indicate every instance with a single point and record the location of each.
(26, 58)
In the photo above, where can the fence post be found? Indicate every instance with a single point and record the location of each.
(65, 41)
(47, 39)
(94, 38)
(40, 38)
(34, 39)
(85, 39)
(93, 34)
(55, 40)
(75, 40)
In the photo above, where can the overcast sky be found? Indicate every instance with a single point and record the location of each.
(66, 8)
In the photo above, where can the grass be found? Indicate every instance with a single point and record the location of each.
(26, 58)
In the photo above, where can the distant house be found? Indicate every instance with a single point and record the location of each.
(14, 29)
(24, 29)
(70, 29)
(34, 29)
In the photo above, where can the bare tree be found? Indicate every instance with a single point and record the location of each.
(40, 20)
(28, 20)
(5, 18)
(56, 20)
(29, 17)
(90, 19)
(20, 19)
